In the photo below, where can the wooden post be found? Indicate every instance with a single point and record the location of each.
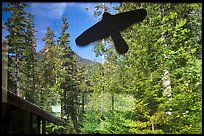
(38, 125)
(4, 71)
(43, 126)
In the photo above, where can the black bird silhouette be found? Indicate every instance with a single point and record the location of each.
(112, 25)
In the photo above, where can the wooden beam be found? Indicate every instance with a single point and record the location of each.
(30, 107)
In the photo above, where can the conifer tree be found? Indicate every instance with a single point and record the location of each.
(71, 92)
(20, 42)
(30, 59)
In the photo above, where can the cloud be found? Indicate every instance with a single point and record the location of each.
(48, 10)
(91, 6)
(83, 6)
(50, 14)
(56, 10)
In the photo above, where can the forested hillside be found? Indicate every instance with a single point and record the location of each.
(80, 59)
(155, 88)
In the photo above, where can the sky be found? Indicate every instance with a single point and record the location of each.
(50, 14)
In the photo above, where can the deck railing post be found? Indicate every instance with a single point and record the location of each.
(43, 126)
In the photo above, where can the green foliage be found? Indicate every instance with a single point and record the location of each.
(60, 79)
(63, 40)
(91, 123)
(164, 48)
(49, 37)
(54, 129)
(21, 42)
(155, 88)
(170, 50)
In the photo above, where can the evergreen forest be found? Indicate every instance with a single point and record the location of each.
(154, 88)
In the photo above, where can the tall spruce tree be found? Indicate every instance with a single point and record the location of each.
(46, 65)
(70, 85)
(29, 80)
(20, 42)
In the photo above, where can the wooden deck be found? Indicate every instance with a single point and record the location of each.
(20, 116)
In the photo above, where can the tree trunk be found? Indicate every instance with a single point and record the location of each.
(74, 114)
(112, 110)
(33, 79)
(166, 78)
(152, 126)
(83, 102)
(4, 71)
(17, 75)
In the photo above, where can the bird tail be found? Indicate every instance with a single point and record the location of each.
(120, 44)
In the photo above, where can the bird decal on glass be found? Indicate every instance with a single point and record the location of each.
(112, 25)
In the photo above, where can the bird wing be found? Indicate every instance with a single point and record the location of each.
(112, 25)
(98, 31)
(126, 19)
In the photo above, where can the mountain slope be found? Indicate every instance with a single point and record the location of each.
(79, 58)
